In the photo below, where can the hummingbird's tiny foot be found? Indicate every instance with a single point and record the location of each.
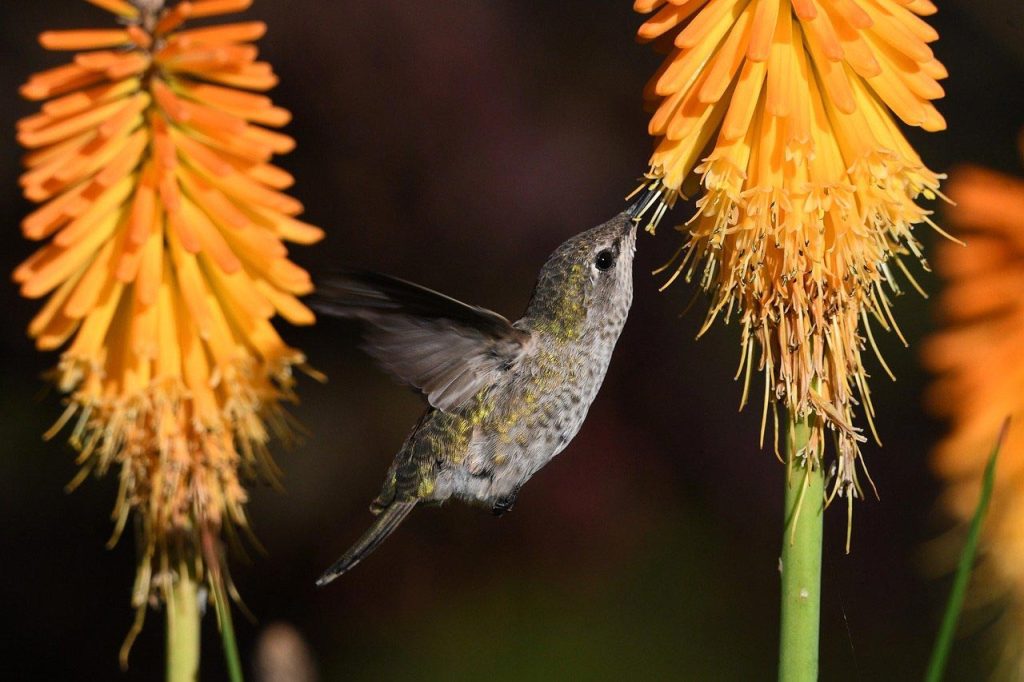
(505, 504)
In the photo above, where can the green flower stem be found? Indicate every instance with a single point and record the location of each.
(800, 564)
(940, 654)
(183, 629)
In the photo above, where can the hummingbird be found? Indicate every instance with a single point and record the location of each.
(504, 397)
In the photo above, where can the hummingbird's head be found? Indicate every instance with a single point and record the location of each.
(587, 283)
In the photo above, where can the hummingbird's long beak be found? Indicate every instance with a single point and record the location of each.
(644, 200)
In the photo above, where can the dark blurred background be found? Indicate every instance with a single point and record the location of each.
(455, 144)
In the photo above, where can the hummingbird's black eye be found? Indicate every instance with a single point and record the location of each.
(605, 260)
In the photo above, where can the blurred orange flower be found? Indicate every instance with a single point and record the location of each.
(164, 266)
(978, 357)
(777, 112)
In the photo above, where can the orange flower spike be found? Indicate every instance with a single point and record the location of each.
(165, 264)
(979, 375)
(779, 115)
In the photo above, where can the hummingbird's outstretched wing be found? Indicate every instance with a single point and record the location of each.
(446, 348)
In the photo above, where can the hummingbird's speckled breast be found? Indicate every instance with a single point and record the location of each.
(513, 429)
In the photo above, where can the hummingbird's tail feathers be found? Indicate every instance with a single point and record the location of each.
(385, 524)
